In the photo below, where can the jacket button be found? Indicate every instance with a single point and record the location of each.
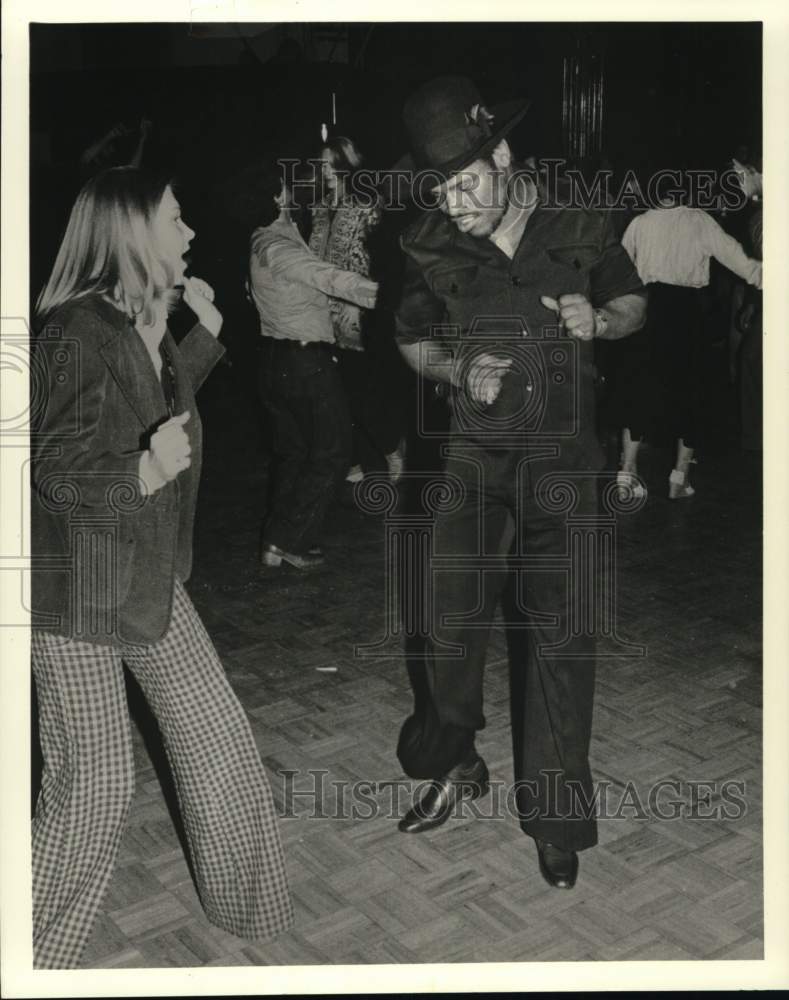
(515, 279)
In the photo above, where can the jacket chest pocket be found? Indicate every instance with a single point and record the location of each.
(456, 282)
(458, 288)
(571, 263)
(577, 256)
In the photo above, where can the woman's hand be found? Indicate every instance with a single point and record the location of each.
(170, 449)
(199, 296)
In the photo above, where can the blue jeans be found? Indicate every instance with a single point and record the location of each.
(303, 395)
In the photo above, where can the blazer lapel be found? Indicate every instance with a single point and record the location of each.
(183, 386)
(127, 359)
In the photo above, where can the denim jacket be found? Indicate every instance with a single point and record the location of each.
(290, 286)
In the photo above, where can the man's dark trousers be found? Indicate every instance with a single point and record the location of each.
(551, 697)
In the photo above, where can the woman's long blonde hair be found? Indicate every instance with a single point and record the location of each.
(108, 247)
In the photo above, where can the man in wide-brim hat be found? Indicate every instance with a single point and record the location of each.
(503, 294)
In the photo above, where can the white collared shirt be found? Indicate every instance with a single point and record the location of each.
(508, 235)
(674, 246)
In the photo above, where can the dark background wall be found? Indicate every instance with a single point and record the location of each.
(220, 96)
(669, 88)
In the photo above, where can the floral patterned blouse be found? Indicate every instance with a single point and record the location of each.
(340, 236)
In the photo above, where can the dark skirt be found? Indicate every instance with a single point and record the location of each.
(653, 378)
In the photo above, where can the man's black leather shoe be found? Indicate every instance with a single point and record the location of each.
(558, 867)
(468, 780)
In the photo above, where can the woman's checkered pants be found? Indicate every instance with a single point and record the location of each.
(88, 784)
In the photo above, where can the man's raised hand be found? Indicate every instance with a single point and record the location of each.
(575, 313)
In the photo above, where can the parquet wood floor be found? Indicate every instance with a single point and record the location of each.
(654, 888)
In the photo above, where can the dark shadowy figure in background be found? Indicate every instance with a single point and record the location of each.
(113, 150)
(750, 318)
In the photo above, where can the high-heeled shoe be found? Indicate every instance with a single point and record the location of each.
(355, 474)
(272, 555)
(395, 462)
(678, 485)
(629, 485)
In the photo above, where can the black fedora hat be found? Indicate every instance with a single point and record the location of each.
(449, 126)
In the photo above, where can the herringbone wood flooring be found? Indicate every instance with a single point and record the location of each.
(690, 887)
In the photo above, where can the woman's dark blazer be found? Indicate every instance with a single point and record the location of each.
(105, 555)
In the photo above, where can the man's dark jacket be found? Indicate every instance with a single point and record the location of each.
(465, 291)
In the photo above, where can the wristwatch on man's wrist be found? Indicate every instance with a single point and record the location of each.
(600, 322)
